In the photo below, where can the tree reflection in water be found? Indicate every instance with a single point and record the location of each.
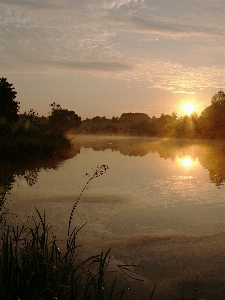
(188, 153)
(209, 153)
(29, 168)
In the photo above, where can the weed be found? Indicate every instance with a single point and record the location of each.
(32, 266)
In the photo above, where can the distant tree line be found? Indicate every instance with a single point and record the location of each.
(210, 124)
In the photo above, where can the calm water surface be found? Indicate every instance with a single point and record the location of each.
(160, 205)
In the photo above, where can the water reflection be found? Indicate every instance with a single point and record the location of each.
(28, 169)
(187, 162)
(188, 153)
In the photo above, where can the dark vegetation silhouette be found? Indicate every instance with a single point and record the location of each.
(9, 107)
(63, 119)
(28, 135)
(210, 124)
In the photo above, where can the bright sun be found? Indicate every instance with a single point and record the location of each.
(188, 108)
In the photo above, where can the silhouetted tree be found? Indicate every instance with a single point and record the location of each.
(165, 125)
(31, 120)
(212, 119)
(63, 119)
(8, 106)
(114, 120)
(97, 119)
(174, 115)
(218, 98)
(134, 118)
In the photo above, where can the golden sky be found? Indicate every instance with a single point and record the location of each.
(108, 57)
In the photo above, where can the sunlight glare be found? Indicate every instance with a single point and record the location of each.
(188, 108)
(187, 162)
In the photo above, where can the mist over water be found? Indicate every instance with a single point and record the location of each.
(160, 205)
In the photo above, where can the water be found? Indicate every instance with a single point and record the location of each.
(160, 205)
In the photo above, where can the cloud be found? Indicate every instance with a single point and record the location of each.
(183, 92)
(33, 4)
(172, 77)
(103, 37)
(92, 66)
(117, 4)
(170, 29)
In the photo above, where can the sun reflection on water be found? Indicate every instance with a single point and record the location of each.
(187, 162)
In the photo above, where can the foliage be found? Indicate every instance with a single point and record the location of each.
(33, 267)
(63, 119)
(31, 120)
(32, 144)
(209, 125)
(8, 106)
(30, 138)
(218, 98)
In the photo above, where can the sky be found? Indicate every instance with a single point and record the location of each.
(107, 57)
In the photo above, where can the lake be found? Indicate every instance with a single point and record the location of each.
(160, 205)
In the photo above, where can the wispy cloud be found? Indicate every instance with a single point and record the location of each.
(33, 4)
(170, 29)
(91, 66)
(173, 77)
(149, 43)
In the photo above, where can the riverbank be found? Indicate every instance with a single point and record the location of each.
(16, 145)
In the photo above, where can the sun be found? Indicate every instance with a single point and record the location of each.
(188, 108)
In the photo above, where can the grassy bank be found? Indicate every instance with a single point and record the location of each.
(15, 145)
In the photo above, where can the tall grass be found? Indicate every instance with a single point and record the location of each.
(32, 267)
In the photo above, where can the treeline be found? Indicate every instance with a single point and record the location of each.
(210, 124)
(59, 121)
(28, 135)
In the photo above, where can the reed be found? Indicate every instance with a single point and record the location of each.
(33, 267)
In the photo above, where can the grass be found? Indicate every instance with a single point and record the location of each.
(32, 267)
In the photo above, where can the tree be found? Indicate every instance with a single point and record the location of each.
(63, 119)
(31, 120)
(8, 106)
(218, 98)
